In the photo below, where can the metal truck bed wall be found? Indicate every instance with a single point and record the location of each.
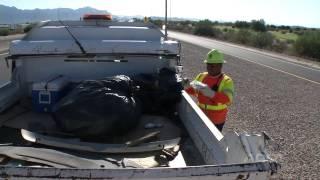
(35, 69)
(39, 68)
(250, 171)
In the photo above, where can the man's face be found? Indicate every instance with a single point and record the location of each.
(214, 69)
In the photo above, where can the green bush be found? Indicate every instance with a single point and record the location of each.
(230, 35)
(243, 36)
(242, 24)
(4, 32)
(308, 44)
(279, 46)
(290, 41)
(262, 40)
(157, 22)
(299, 33)
(259, 25)
(204, 28)
(28, 28)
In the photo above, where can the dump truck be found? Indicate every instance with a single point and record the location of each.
(185, 145)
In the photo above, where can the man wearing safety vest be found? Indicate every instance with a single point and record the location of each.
(213, 89)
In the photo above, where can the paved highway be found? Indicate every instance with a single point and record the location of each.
(5, 41)
(4, 71)
(4, 45)
(272, 61)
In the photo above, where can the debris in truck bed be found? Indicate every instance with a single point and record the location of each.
(77, 144)
(99, 108)
(143, 139)
(152, 125)
(160, 92)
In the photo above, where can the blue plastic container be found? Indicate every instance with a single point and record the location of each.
(47, 93)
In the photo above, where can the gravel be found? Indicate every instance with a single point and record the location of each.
(285, 107)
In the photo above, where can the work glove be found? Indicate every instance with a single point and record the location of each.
(203, 88)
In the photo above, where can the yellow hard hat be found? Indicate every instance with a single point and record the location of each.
(214, 57)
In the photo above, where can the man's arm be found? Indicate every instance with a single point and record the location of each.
(226, 94)
(190, 90)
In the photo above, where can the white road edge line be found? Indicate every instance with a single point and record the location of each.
(275, 57)
(4, 54)
(278, 70)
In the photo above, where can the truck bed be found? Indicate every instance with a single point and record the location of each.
(22, 117)
(198, 155)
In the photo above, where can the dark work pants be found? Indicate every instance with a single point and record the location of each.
(219, 126)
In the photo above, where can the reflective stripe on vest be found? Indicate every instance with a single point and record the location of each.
(212, 107)
(201, 76)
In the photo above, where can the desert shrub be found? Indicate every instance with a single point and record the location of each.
(242, 24)
(243, 36)
(279, 46)
(258, 25)
(4, 32)
(308, 44)
(217, 33)
(290, 41)
(271, 27)
(204, 28)
(157, 22)
(230, 35)
(28, 28)
(262, 40)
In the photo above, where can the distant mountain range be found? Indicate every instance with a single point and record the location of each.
(12, 15)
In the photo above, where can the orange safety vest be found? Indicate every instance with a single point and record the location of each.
(216, 107)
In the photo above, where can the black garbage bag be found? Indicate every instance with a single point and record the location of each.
(159, 93)
(99, 108)
(170, 87)
(148, 87)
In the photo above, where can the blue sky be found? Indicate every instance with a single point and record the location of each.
(279, 12)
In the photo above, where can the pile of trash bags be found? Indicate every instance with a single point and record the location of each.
(99, 108)
(113, 105)
(159, 93)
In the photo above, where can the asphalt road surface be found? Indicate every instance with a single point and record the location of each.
(4, 70)
(271, 98)
(4, 45)
(5, 41)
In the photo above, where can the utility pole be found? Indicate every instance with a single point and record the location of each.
(165, 22)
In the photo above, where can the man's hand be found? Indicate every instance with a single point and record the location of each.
(203, 88)
(197, 85)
